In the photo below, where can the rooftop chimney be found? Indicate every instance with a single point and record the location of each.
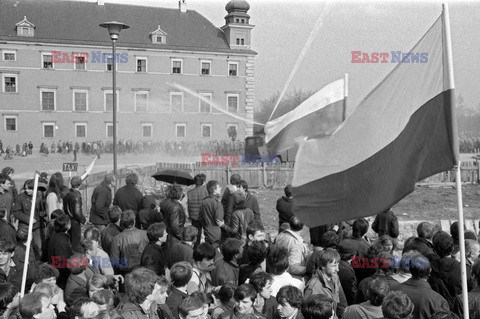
(182, 4)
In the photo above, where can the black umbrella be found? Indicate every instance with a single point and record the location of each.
(174, 176)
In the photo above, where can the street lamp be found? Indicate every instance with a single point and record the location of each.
(114, 29)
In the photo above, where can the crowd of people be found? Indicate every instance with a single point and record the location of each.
(187, 147)
(202, 252)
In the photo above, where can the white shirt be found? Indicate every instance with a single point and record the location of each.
(285, 279)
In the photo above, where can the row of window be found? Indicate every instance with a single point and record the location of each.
(141, 99)
(140, 62)
(81, 129)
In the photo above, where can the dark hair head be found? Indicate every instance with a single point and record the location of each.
(239, 197)
(317, 307)
(203, 251)
(469, 234)
(291, 295)
(31, 305)
(374, 250)
(419, 266)
(29, 184)
(156, 231)
(243, 184)
(254, 227)
(288, 191)
(76, 309)
(62, 224)
(360, 227)
(114, 213)
(82, 258)
(56, 213)
(330, 239)
(128, 219)
(454, 231)
(230, 248)
(259, 280)
(91, 232)
(189, 304)
(329, 255)
(3, 178)
(257, 252)
(174, 191)
(47, 288)
(103, 297)
(377, 290)
(211, 186)
(76, 181)
(181, 273)
(245, 291)
(443, 244)
(397, 305)
(189, 233)
(55, 185)
(7, 293)
(44, 271)
(108, 179)
(277, 260)
(97, 281)
(139, 284)
(234, 179)
(131, 179)
(225, 294)
(295, 224)
(7, 170)
(425, 230)
(199, 179)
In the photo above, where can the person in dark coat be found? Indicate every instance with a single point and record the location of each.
(227, 200)
(129, 197)
(7, 231)
(266, 304)
(150, 214)
(101, 201)
(195, 198)
(60, 248)
(386, 223)
(284, 206)
(72, 206)
(212, 215)
(183, 250)
(425, 299)
(289, 300)
(173, 213)
(256, 256)
(359, 229)
(153, 256)
(180, 273)
(422, 243)
(112, 229)
(348, 280)
(251, 201)
(226, 268)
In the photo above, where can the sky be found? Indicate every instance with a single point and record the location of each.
(282, 29)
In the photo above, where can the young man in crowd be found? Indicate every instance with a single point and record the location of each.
(266, 304)
(183, 250)
(36, 305)
(101, 201)
(153, 256)
(284, 207)
(245, 296)
(226, 268)
(180, 273)
(292, 240)
(318, 307)
(112, 229)
(195, 198)
(289, 300)
(191, 308)
(203, 264)
(211, 214)
(72, 206)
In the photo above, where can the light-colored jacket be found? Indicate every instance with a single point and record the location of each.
(297, 251)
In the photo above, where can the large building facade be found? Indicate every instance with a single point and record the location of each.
(56, 73)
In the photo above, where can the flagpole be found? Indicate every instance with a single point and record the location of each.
(455, 148)
(29, 238)
(345, 97)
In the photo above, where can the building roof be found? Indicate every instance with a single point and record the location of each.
(76, 22)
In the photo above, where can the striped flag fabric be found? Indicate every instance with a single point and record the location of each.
(319, 115)
(403, 131)
(89, 169)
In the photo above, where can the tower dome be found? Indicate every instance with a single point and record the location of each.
(237, 5)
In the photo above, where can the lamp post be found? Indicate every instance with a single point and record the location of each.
(114, 29)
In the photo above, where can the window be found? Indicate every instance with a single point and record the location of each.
(10, 123)
(205, 65)
(232, 103)
(242, 41)
(141, 102)
(80, 100)
(204, 106)
(48, 130)
(141, 65)
(47, 100)
(207, 130)
(25, 31)
(177, 66)
(231, 127)
(47, 61)
(147, 130)
(238, 41)
(109, 63)
(180, 130)
(9, 55)
(176, 101)
(10, 83)
(80, 63)
(109, 101)
(232, 68)
(80, 130)
(109, 130)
